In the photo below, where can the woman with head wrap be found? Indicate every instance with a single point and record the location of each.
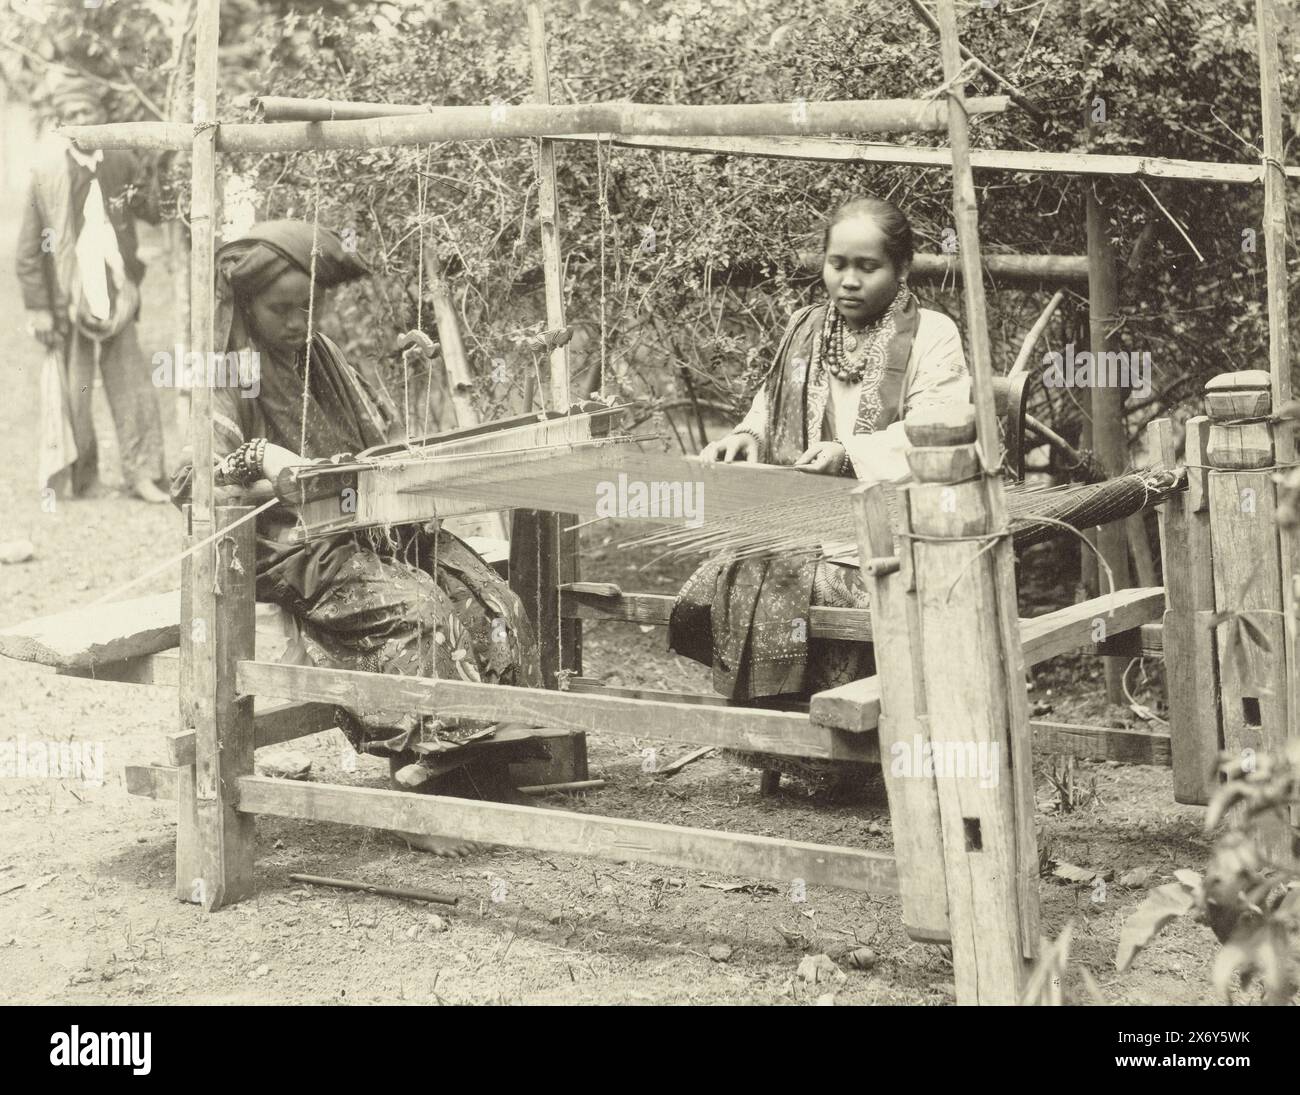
(411, 600)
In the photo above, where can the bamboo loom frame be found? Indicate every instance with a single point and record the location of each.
(219, 675)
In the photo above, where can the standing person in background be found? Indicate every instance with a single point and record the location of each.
(80, 277)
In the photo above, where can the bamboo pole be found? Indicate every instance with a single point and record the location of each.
(1109, 437)
(165, 135)
(221, 593)
(548, 211)
(484, 123)
(1027, 105)
(1014, 714)
(277, 108)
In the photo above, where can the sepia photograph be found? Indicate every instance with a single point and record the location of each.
(650, 502)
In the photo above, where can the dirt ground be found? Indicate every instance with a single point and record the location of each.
(87, 912)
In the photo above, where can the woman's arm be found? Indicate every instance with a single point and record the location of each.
(747, 440)
(940, 379)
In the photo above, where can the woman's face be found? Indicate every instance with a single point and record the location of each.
(860, 277)
(279, 312)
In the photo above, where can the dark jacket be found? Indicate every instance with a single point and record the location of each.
(120, 180)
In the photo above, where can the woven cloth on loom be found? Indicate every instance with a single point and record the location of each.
(826, 520)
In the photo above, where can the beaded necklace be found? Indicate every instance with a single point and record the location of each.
(850, 354)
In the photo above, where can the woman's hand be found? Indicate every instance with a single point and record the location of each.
(276, 459)
(822, 458)
(732, 448)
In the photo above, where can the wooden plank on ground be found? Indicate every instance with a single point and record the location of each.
(569, 833)
(99, 634)
(753, 729)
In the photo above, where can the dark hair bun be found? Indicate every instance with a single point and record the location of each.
(892, 221)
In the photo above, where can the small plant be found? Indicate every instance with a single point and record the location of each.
(1249, 901)
(1071, 792)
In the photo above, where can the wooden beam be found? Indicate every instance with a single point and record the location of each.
(754, 729)
(273, 722)
(1080, 626)
(1102, 743)
(568, 833)
(548, 210)
(588, 602)
(855, 707)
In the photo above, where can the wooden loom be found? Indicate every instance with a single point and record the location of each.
(962, 861)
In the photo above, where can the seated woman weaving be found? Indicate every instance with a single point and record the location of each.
(832, 403)
(410, 600)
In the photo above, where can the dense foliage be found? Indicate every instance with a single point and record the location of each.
(680, 269)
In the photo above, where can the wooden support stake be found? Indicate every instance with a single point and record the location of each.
(1190, 656)
(189, 868)
(1279, 327)
(1015, 712)
(971, 732)
(903, 728)
(1248, 580)
(548, 210)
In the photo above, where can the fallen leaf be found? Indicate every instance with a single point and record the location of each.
(1162, 905)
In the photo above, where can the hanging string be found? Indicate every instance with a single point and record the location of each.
(311, 316)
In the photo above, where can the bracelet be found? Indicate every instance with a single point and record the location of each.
(243, 467)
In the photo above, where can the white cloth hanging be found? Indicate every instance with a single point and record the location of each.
(98, 255)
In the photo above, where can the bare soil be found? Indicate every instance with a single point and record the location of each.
(87, 911)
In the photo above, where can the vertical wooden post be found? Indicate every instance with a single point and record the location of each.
(1016, 711)
(903, 728)
(220, 617)
(1190, 654)
(1109, 440)
(1279, 328)
(543, 557)
(223, 751)
(981, 802)
(547, 211)
(189, 866)
(1248, 571)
